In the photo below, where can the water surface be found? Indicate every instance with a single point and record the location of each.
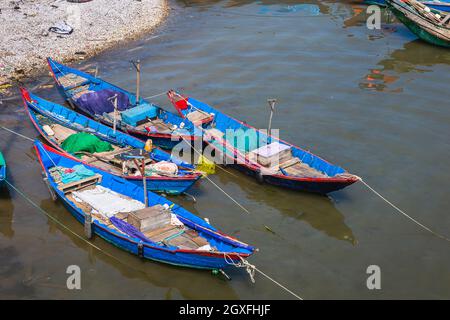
(372, 102)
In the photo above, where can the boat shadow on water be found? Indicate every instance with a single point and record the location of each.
(415, 56)
(318, 211)
(6, 212)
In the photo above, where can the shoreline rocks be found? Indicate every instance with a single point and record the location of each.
(27, 39)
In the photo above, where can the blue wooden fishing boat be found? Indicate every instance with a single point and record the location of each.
(442, 5)
(184, 240)
(56, 123)
(2, 169)
(114, 106)
(263, 156)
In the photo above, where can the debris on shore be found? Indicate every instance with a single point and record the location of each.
(67, 31)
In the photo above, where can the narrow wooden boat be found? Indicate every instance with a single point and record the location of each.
(432, 26)
(96, 98)
(55, 123)
(443, 5)
(113, 205)
(2, 169)
(262, 156)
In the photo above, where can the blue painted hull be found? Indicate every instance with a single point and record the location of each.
(158, 255)
(303, 186)
(334, 177)
(151, 251)
(2, 170)
(173, 185)
(163, 140)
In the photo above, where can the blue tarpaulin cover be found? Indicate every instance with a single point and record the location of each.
(143, 111)
(97, 102)
(129, 229)
(78, 172)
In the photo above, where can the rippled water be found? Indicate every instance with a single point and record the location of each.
(371, 101)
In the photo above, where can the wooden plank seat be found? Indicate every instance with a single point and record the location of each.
(160, 125)
(197, 116)
(301, 169)
(162, 233)
(61, 133)
(71, 80)
(76, 185)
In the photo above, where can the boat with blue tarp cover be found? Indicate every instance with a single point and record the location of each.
(260, 155)
(55, 123)
(2, 169)
(114, 106)
(113, 208)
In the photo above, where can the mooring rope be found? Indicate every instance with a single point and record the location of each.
(243, 264)
(156, 95)
(247, 211)
(251, 269)
(29, 200)
(403, 212)
(213, 183)
(19, 134)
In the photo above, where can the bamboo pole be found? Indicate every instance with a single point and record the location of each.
(138, 80)
(272, 109)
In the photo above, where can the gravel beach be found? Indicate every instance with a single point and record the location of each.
(98, 24)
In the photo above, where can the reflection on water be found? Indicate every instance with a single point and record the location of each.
(316, 210)
(415, 56)
(6, 213)
(12, 272)
(269, 7)
(313, 64)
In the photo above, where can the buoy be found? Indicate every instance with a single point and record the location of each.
(148, 145)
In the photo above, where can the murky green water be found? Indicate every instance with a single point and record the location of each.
(370, 101)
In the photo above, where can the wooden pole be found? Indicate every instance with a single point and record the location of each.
(144, 180)
(115, 114)
(138, 80)
(272, 109)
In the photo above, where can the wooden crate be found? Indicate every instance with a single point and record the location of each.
(150, 218)
(76, 185)
(272, 155)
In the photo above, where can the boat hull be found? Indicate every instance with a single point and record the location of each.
(442, 5)
(166, 254)
(182, 259)
(423, 29)
(169, 185)
(2, 170)
(334, 178)
(312, 186)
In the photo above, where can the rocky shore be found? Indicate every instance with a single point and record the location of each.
(31, 30)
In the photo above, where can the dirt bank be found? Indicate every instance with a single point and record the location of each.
(99, 24)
